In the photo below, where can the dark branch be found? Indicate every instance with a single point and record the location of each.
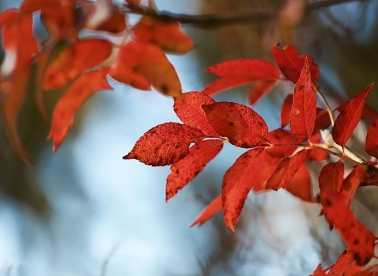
(217, 20)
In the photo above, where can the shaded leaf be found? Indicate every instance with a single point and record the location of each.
(238, 72)
(164, 34)
(286, 170)
(8, 16)
(74, 59)
(300, 185)
(286, 110)
(240, 124)
(322, 120)
(371, 142)
(164, 144)
(189, 110)
(303, 111)
(352, 182)
(317, 154)
(368, 113)
(237, 182)
(348, 119)
(291, 63)
(141, 64)
(187, 168)
(67, 106)
(210, 210)
(283, 143)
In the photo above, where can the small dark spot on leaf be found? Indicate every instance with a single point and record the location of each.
(164, 88)
(231, 124)
(356, 241)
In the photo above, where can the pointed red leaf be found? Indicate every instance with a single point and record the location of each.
(141, 64)
(187, 168)
(237, 72)
(240, 124)
(352, 182)
(300, 185)
(189, 110)
(348, 119)
(74, 59)
(64, 112)
(303, 111)
(238, 181)
(291, 63)
(164, 144)
(286, 170)
(210, 210)
(286, 110)
(368, 113)
(319, 271)
(371, 142)
(359, 240)
(283, 143)
(164, 34)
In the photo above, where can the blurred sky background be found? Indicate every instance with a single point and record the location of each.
(93, 213)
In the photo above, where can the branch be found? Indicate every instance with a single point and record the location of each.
(218, 20)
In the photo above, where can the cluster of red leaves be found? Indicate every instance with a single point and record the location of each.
(276, 159)
(78, 55)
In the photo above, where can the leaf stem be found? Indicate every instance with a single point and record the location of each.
(324, 100)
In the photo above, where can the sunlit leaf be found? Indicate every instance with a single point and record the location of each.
(189, 110)
(164, 144)
(141, 64)
(210, 210)
(240, 124)
(187, 168)
(348, 119)
(303, 111)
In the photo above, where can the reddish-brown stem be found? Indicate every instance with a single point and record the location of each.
(328, 108)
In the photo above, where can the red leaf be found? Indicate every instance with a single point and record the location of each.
(187, 168)
(286, 110)
(214, 207)
(283, 143)
(322, 120)
(140, 65)
(286, 170)
(371, 143)
(164, 34)
(291, 63)
(240, 124)
(303, 111)
(359, 240)
(8, 16)
(300, 185)
(319, 271)
(317, 154)
(238, 181)
(344, 265)
(67, 106)
(348, 119)
(74, 59)
(237, 72)
(164, 144)
(189, 110)
(352, 182)
(368, 112)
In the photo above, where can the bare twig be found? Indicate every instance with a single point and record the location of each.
(218, 20)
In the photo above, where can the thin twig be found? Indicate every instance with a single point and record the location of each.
(107, 260)
(218, 20)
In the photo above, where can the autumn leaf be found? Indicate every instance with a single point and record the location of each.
(238, 72)
(303, 111)
(165, 34)
(283, 143)
(345, 265)
(319, 271)
(368, 113)
(187, 168)
(237, 182)
(371, 142)
(352, 182)
(77, 57)
(348, 119)
(286, 170)
(322, 120)
(286, 110)
(240, 124)
(189, 110)
(214, 207)
(315, 154)
(67, 106)
(141, 64)
(291, 63)
(359, 240)
(164, 144)
(8, 16)
(300, 185)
